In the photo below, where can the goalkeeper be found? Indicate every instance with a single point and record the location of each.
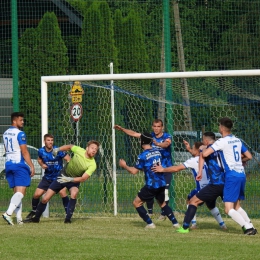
(79, 169)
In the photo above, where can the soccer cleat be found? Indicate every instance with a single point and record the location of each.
(150, 226)
(19, 222)
(193, 226)
(182, 230)
(224, 227)
(249, 231)
(67, 221)
(177, 225)
(161, 218)
(30, 215)
(32, 220)
(8, 219)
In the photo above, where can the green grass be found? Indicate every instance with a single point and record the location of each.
(125, 238)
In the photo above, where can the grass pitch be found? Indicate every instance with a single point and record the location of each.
(125, 238)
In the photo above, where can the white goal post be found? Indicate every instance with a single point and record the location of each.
(122, 77)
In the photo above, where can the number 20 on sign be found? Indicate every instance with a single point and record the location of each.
(76, 112)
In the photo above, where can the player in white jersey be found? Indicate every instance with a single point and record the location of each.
(193, 164)
(230, 149)
(18, 166)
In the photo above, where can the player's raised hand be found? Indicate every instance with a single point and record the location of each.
(55, 151)
(64, 179)
(122, 163)
(187, 145)
(118, 127)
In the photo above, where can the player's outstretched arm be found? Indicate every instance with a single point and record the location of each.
(177, 168)
(63, 148)
(127, 131)
(132, 170)
(187, 146)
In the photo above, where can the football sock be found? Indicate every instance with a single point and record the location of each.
(144, 215)
(244, 215)
(237, 217)
(15, 201)
(35, 203)
(18, 211)
(162, 212)
(39, 210)
(189, 215)
(167, 211)
(150, 206)
(216, 214)
(194, 220)
(71, 207)
(65, 201)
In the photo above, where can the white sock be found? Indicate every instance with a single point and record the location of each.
(15, 201)
(244, 215)
(216, 214)
(18, 211)
(238, 218)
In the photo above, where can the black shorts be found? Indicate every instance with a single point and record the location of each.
(147, 194)
(168, 179)
(44, 184)
(210, 193)
(56, 186)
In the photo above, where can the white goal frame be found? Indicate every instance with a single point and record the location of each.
(130, 76)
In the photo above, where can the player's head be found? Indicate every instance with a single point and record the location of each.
(208, 138)
(146, 139)
(17, 119)
(225, 124)
(92, 148)
(195, 150)
(48, 140)
(157, 126)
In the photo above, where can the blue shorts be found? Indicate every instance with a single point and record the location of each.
(147, 194)
(234, 188)
(18, 174)
(56, 186)
(44, 184)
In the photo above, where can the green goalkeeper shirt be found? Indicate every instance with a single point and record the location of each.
(79, 164)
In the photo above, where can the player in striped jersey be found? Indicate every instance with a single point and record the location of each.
(79, 169)
(162, 141)
(193, 164)
(230, 149)
(154, 183)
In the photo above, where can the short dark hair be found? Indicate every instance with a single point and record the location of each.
(93, 142)
(211, 135)
(48, 135)
(15, 115)
(146, 138)
(197, 145)
(157, 121)
(226, 122)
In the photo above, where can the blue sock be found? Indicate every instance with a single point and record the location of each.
(144, 215)
(65, 201)
(189, 215)
(71, 207)
(167, 211)
(35, 203)
(162, 212)
(39, 210)
(150, 206)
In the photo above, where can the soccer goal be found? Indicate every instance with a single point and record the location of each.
(187, 102)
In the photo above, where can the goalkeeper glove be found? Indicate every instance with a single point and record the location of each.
(63, 179)
(55, 151)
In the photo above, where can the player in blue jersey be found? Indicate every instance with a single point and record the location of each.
(201, 184)
(210, 192)
(162, 141)
(52, 166)
(230, 149)
(154, 183)
(18, 166)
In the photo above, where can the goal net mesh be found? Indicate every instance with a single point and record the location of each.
(187, 107)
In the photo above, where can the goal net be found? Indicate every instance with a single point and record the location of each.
(187, 102)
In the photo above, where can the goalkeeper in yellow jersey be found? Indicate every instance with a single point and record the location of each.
(79, 169)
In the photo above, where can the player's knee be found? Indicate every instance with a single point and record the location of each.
(195, 201)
